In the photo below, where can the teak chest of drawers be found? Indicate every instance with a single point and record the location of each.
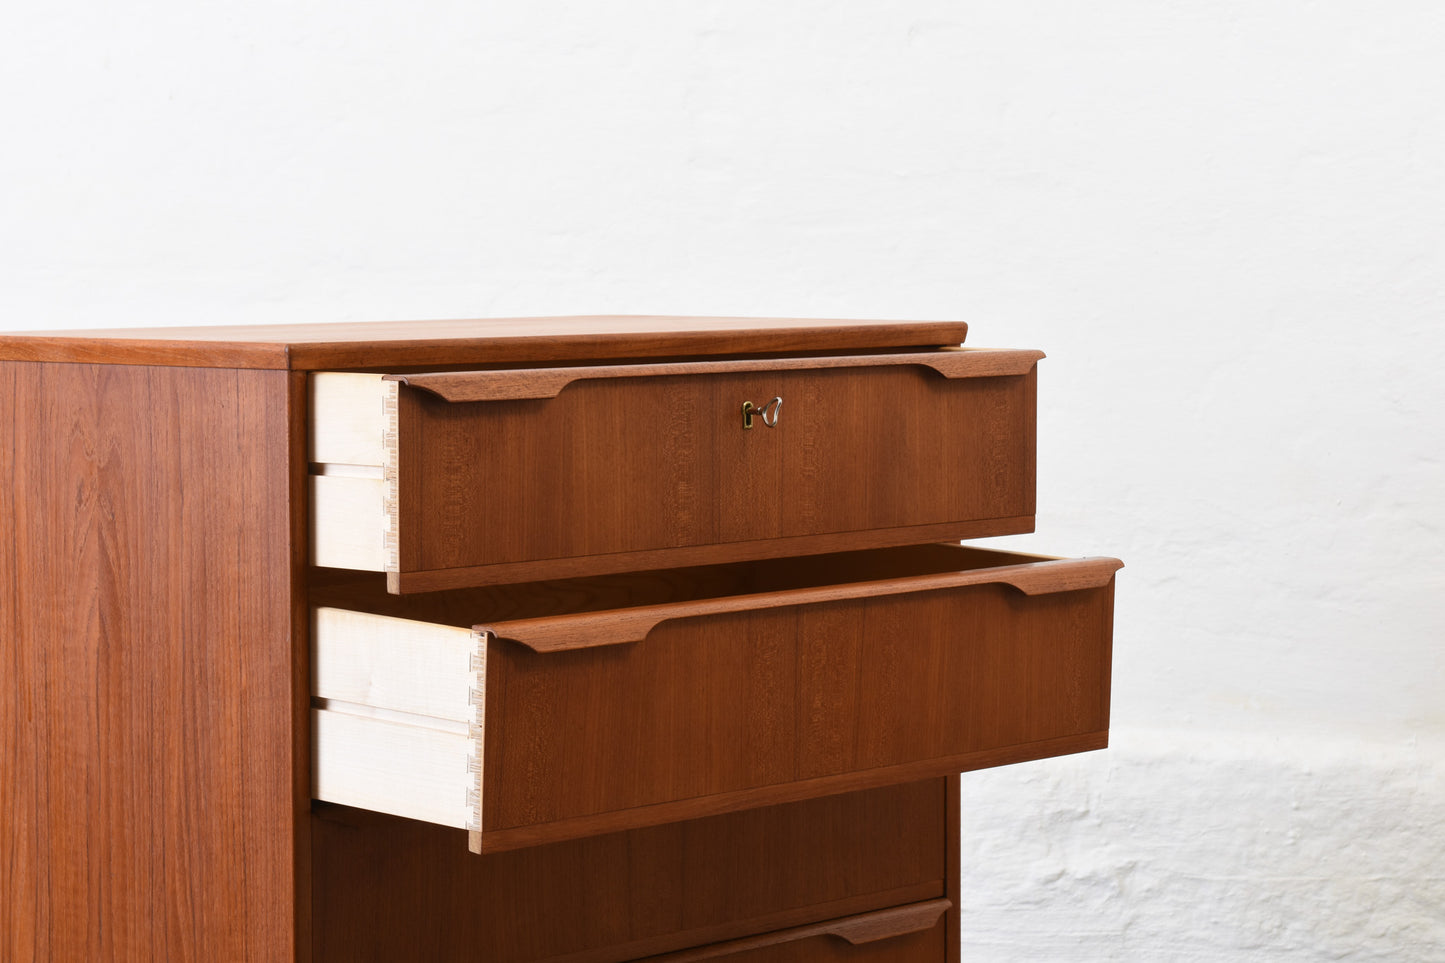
(584, 639)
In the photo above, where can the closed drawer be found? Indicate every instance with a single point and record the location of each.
(388, 889)
(551, 711)
(914, 933)
(452, 479)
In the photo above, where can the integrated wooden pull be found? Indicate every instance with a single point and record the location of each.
(864, 928)
(519, 384)
(886, 924)
(560, 633)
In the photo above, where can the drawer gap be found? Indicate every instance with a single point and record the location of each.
(341, 470)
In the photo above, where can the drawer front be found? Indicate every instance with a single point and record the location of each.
(392, 889)
(553, 727)
(492, 476)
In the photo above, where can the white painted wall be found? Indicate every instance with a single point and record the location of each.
(1224, 221)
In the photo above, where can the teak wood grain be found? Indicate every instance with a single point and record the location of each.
(531, 384)
(627, 470)
(922, 947)
(526, 601)
(563, 632)
(391, 889)
(380, 345)
(720, 703)
(813, 699)
(893, 924)
(147, 739)
(155, 643)
(781, 549)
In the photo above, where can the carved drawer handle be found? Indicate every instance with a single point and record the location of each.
(864, 928)
(561, 633)
(519, 384)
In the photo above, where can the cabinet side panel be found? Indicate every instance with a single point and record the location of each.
(146, 709)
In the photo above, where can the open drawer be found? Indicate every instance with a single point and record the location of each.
(460, 478)
(556, 710)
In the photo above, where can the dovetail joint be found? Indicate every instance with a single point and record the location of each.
(391, 504)
(476, 730)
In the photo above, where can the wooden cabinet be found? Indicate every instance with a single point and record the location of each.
(553, 639)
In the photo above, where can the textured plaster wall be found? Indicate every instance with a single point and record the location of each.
(1224, 221)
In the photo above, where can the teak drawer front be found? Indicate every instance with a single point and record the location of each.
(450, 479)
(391, 889)
(730, 687)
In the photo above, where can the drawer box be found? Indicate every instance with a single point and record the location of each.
(535, 713)
(452, 479)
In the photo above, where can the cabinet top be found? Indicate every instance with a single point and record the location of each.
(394, 344)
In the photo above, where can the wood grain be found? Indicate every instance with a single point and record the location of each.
(886, 924)
(861, 930)
(775, 549)
(403, 665)
(384, 659)
(391, 889)
(814, 696)
(410, 653)
(741, 691)
(348, 522)
(392, 344)
(561, 633)
(346, 411)
(925, 947)
(298, 440)
(757, 698)
(532, 384)
(462, 607)
(610, 472)
(953, 888)
(376, 763)
(155, 670)
(147, 739)
(503, 840)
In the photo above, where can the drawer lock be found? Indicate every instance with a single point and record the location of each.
(768, 412)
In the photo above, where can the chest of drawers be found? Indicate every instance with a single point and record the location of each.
(544, 639)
